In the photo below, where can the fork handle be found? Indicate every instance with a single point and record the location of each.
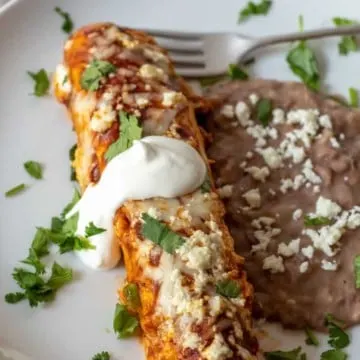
(305, 35)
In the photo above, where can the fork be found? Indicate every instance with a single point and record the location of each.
(208, 54)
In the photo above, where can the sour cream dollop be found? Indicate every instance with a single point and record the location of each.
(155, 166)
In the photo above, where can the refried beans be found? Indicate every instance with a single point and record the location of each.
(291, 190)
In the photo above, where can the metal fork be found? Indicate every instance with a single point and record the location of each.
(209, 54)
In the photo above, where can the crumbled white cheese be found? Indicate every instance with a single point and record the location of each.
(325, 122)
(191, 340)
(328, 265)
(253, 198)
(262, 220)
(249, 155)
(334, 143)
(327, 208)
(274, 263)
(242, 113)
(297, 214)
(148, 71)
(304, 267)
(257, 173)
(289, 250)
(308, 251)
(171, 98)
(218, 349)
(225, 191)
(62, 78)
(309, 174)
(254, 98)
(316, 189)
(228, 111)
(278, 116)
(271, 157)
(264, 238)
(342, 136)
(141, 100)
(154, 212)
(215, 303)
(104, 115)
(353, 221)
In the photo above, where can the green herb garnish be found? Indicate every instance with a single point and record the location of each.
(15, 190)
(311, 338)
(42, 82)
(354, 97)
(160, 234)
(253, 9)
(104, 355)
(347, 43)
(236, 73)
(315, 221)
(124, 323)
(34, 169)
(334, 354)
(303, 63)
(68, 24)
(128, 132)
(357, 271)
(131, 294)
(294, 354)
(228, 288)
(72, 158)
(263, 110)
(211, 80)
(205, 187)
(76, 197)
(92, 230)
(92, 75)
(338, 338)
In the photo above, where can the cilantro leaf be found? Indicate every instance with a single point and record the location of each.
(131, 294)
(160, 234)
(314, 221)
(104, 355)
(40, 243)
(129, 131)
(253, 9)
(347, 43)
(57, 224)
(15, 190)
(311, 339)
(76, 197)
(33, 260)
(354, 97)
(357, 271)
(210, 80)
(334, 354)
(42, 82)
(72, 158)
(283, 355)
(124, 323)
(264, 111)
(14, 298)
(338, 338)
(92, 230)
(59, 276)
(34, 169)
(303, 63)
(205, 187)
(92, 75)
(228, 288)
(68, 24)
(236, 73)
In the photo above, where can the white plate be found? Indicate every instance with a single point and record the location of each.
(76, 325)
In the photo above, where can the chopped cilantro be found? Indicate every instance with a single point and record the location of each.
(72, 158)
(253, 9)
(205, 187)
(15, 190)
(315, 221)
(354, 97)
(228, 288)
(357, 271)
(347, 43)
(311, 338)
(34, 169)
(131, 294)
(338, 338)
(92, 230)
(160, 234)
(294, 354)
(129, 131)
(236, 73)
(264, 111)
(334, 354)
(76, 197)
(68, 24)
(92, 75)
(124, 323)
(303, 63)
(104, 355)
(41, 82)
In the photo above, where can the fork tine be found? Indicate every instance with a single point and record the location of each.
(187, 59)
(170, 34)
(180, 45)
(193, 72)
